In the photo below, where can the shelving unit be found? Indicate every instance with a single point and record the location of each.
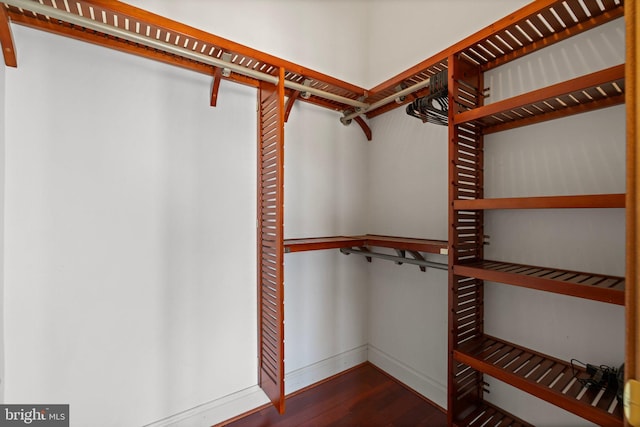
(472, 353)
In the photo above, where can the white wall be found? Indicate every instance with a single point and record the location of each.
(408, 192)
(326, 36)
(130, 234)
(325, 291)
(403, 33)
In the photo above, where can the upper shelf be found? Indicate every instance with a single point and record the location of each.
(533, 27)
(537, 25)
(127, 19)
(596, 90)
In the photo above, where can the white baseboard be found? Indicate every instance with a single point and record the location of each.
(423, 384)
(311, 374)
(216, 411)
(230, 406)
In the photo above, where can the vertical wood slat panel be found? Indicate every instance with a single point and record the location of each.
(270, 237)
(466, 236)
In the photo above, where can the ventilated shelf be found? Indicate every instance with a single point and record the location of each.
(546, 202)
(338, 242)
(487, 414)
(543, 376)
(321, 243)
(597, 90)
(533, 27)
(578, 284)
(538, 26)
(138, 22)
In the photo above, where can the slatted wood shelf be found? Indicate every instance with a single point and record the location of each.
(487, 414)
(596, 90)
(337, 242)
(139, 21)
(591, 286)
(541, 375)
(321, 243)
(533, 27)
(545, 202)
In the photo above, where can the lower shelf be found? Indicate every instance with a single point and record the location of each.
(543, 376)
(488, 415)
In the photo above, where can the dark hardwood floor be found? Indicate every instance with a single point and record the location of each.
(363, 396)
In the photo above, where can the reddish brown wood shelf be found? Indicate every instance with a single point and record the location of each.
(543, 376)
(487, 414)
(321, 243)
(578, 284)
(535, 26)
(337, 242)
(545, 202)
(596, 90)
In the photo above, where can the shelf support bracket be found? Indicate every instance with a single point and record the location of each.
(417, 255)
(292, 99)
(217, 76)
(364, 126)
(417, 260)
(6, 40)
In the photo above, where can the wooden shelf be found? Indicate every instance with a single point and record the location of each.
(543, 376)
(337, 242)
(321, 243)
(122, 16)
(546, 202)
(592, 91)
(533, 27)
(578, 284)
(487, 414)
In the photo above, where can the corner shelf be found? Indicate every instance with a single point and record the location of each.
(360, 245)
(543, 376)
(339, 242)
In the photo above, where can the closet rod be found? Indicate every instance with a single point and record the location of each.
(384, 101)
(173, 49)
(398, 259)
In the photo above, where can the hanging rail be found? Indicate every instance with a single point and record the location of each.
(384, 101)
(174, 49)
(360, 107)
(397, 259)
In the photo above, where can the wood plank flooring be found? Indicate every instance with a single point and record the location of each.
(363, 396)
